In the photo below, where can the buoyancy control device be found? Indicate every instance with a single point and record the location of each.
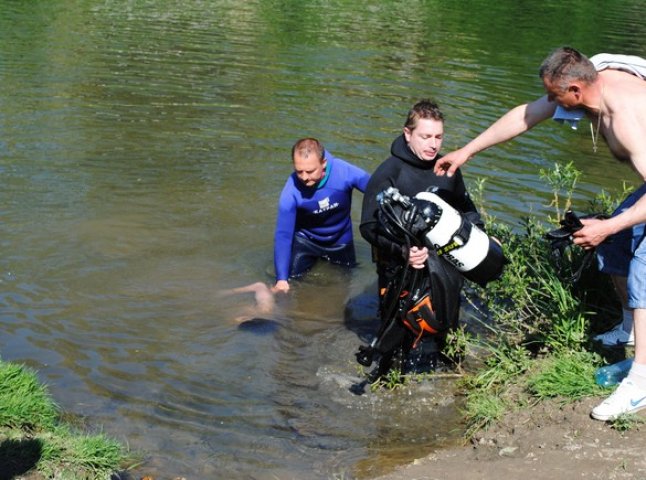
(410, 301)
(444, 229)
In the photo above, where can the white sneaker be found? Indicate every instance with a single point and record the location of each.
(616, 337)
(628, 398)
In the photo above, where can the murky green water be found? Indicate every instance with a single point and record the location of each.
(143, 145)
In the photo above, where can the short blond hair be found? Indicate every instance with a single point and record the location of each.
(423, 109)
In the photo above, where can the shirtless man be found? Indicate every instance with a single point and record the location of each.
(613, 96)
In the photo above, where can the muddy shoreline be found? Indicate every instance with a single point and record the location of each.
(547, 441)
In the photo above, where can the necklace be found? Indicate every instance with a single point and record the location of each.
(595, 133)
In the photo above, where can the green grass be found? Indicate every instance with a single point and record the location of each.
(24, 403)
(33, 438)
(483, 408)
(569, 375)
(627, 422)
(537, 324)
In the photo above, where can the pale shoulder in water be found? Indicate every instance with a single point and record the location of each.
(254, 317)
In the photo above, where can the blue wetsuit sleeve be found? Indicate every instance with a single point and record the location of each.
(284, 234)
(359, 177)
(351, 176)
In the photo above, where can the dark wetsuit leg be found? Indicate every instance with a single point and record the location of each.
(305, 253)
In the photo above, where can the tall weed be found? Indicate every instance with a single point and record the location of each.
(538, 324)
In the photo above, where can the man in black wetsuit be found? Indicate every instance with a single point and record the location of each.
(410, 170)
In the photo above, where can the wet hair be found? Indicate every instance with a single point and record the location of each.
(308, 146)
(423, 109)
(566, 64)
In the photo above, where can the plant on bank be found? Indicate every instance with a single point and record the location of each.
(32, 436)
(562, 179)
(538, 323)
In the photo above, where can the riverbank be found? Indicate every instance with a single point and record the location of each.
(527, 406)
(35, 442)
(545, 441)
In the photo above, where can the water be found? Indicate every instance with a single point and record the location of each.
(143, 145)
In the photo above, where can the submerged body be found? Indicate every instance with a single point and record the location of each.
(263, 306)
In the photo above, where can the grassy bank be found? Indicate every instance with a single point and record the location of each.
(35, 441)
(532, 337)
(539, 323)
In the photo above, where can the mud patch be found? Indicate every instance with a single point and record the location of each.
(543, 442)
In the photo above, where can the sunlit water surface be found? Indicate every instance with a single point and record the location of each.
(143, 146)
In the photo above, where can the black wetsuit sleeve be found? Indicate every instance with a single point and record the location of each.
(369, 226)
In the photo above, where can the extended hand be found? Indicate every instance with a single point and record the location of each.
(450, 162)
(281, 286)
(594, 232)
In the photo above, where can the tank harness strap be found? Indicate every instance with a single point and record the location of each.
(459, 238)
(585, 263)
(415, 321)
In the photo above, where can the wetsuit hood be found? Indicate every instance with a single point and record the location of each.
(401, 150)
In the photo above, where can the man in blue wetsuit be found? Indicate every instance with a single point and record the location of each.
(314, 212)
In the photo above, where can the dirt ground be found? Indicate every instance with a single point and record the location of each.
(547, 441)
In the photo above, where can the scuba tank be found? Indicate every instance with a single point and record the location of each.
(477, 256)
(416, 304)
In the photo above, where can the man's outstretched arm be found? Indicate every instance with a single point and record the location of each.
(513, 123)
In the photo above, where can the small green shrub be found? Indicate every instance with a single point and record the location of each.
(567, 375)
(627, 422)
(24, 403)
(483, 408)
(537, 322)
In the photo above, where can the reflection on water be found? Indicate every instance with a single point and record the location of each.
(143, 147)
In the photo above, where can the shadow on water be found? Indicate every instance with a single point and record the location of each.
(361, 313)
(259, 326)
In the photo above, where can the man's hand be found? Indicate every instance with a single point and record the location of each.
(450, 162)
(281, 286)
(417, 257)
(593, 233)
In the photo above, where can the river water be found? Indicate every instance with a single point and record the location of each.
(143, 144)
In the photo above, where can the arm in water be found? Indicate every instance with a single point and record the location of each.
(263, 296)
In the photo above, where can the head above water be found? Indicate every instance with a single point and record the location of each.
(308, 155)
(565, 72)
(424, 129)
